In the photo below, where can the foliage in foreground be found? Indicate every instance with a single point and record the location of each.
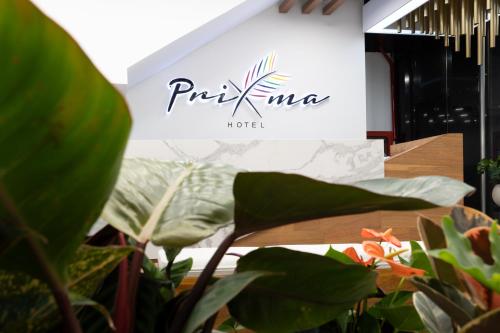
(69, 139)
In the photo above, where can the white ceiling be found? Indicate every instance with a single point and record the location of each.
(118, 33)
(379, 14)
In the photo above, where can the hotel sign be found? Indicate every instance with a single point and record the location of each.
(261, 85)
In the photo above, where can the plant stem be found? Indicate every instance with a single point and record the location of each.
(122, 310)
(133, 282)
(393, 298)
(358, 315)
(185, 308)
(168, 270)
(70, 322)
(209, 324)
(60, 292)
(396, 292)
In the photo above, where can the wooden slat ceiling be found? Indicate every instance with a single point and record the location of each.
(309, 5)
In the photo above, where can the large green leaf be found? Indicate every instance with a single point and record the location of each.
(218, 295)
(434, 319)
(459, 253)
(173, 204)
(27, 304)
(179, 270)
(339, 256)
(451, 300)
(368, 324)
(269, 199)
(433, 237)
(153, 294)
(394, 299)
(307, 291)
(403, 317)
(63, 130)
(419, 259)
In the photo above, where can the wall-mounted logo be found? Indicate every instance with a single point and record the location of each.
(260, 85)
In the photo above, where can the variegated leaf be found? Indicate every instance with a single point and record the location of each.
(27, 305)
(173, 204)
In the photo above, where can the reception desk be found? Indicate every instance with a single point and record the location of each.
(331, 161)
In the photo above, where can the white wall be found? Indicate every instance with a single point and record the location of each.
(378, 93)
(117, 33)
(323, 54)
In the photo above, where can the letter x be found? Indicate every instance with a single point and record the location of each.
(246, 99)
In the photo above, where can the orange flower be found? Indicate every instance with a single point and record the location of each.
(386, 236)
(404, 271)
(374, 250)
(351, 253)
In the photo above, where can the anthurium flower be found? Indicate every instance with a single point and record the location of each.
(351, 253)
(374, 250)
(386, 236)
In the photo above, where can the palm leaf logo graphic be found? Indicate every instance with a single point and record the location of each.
(262, 79)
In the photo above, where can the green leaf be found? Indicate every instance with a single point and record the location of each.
(403, 317)
(173, 204)
(448, 298)
(308, 290)
(339, 256)
(90, 320)
(433, 237)
(419, 259)
(434, 319)
(368, 324)
(342, 321)
(268, 199)
(81, 301)
(494, 238)
(230, 326)
(150, 270)
(218, 295)
(390, 300)
(180, 270)
(91, 265)
(153, 294)
(403, 261)
(459, 254)
(63, 131)
(172, 252)
(486, 323)
(23, 297)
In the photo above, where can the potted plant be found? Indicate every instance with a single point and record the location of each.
(492, 167)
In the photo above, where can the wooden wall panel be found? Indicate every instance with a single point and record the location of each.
(440, 155)
(344, 229)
